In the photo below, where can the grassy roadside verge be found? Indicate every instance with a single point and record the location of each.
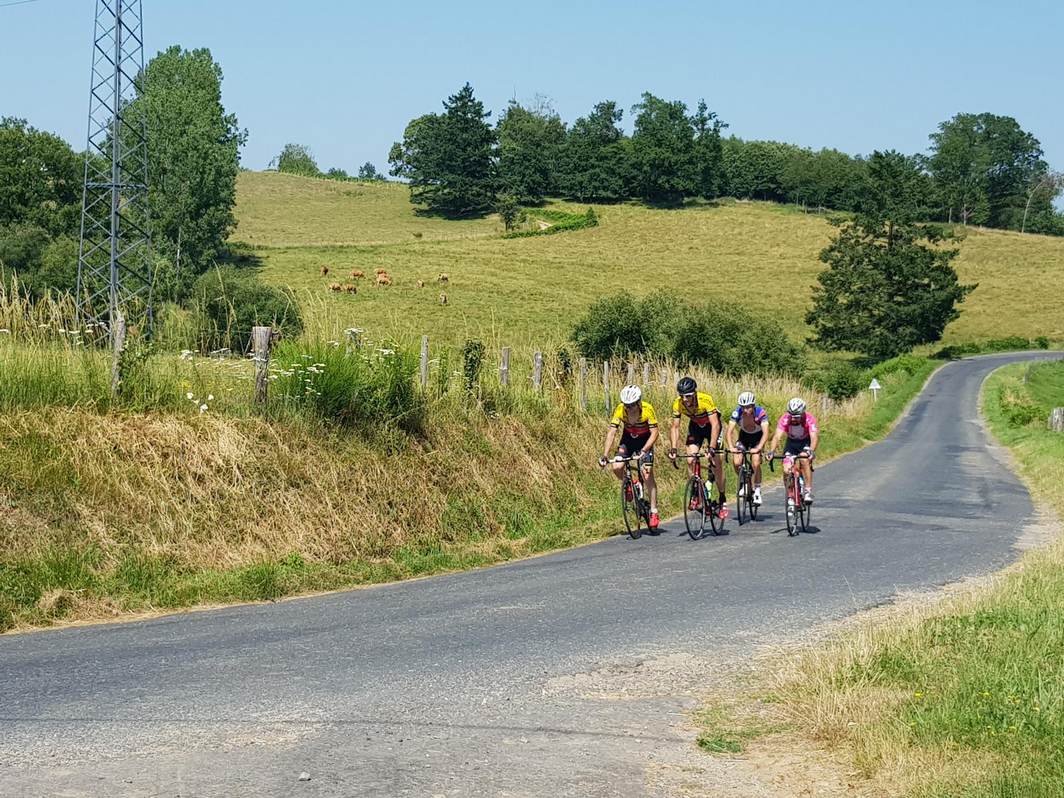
(964, 698)
(105, 512)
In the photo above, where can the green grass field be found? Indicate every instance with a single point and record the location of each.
(527, 291)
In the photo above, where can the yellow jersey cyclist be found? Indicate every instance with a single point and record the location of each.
(748, 430)
(639, 434)
(704, 427)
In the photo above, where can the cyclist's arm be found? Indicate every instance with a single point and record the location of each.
(729, 434)
(611, 436)
(653, 439)
(674, 433)
(814, 439)
(714, 428)
(764, 436)
(775, 441)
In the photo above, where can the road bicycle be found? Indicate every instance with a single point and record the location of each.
(635, 506)
(745, 500)
(799, 512)
(697, 504)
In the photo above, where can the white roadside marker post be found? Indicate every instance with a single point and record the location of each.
(875, 388)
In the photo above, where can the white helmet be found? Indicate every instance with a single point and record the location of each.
(746, 399)
(630, 394)
(796, 406)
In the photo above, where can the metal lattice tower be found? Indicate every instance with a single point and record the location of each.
(114, 258)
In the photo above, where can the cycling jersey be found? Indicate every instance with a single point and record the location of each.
(704, 408)
(647, 420)
(759, 418)
(797, 428)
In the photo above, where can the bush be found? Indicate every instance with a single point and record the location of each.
(231, 301)
(561, 222)
(472, 364)
(620, 324)
(1019, 411)
(1009, 344)
(910, 364)
(731, 341)
(353, 389)
(840, 380)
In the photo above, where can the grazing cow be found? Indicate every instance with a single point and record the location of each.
(350, 288)
(384, 279)
(443, 299)
(357, 274)
(335, 287)
(420, 283)
(382, 271)
(443, 279)
(324, 271)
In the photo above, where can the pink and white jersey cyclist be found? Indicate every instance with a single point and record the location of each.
(798, 428)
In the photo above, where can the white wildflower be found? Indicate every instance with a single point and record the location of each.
(189, 396)
(203, 408)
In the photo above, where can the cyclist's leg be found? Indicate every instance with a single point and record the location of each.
(755, 461)
(619, 468)
(652, 486)
(737, 462)
(807, 472)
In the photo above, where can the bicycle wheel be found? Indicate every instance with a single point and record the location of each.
(694, 520)
(743, 503)
(792, 511)
(630, 511)
(716, 525)
(805, 516)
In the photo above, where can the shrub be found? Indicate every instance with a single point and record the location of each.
(1041, 342)
(620, 324)
(231, 301)
(353, 389)
(1019, 411)
(840, 380)
(733, 342)
(472, 364)
(907, 363)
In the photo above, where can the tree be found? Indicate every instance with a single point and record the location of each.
(509, 210)
(663, 151)
(448, 158)
(983, 165)
(193, 158)
(40, 179)
(889, 286)
(708, 151)
(369, 172)
(297, 159)
(595, 161)
(530, 144)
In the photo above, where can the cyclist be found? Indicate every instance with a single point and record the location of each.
(748, 431)
(803, 436)
(638, 438)
(704, 427)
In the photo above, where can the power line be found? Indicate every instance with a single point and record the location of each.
(17, 3)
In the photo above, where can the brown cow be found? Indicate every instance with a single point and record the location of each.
(357, 274)
(350, 288)
(335, 287)
(324, 271)
(443, 299)
(382, 271)
(443, 279)
(384, 279)
(420, 283)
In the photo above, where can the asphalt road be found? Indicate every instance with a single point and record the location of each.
(570, 674)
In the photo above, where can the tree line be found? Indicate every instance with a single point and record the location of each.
(981, 168)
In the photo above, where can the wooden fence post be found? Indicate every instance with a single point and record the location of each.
(504, 367)
(646, 375)
(354, 339)
(424, 373)
(664, 377)
(629, 376)
(583, 382)
(606, 383)
(1056, 419)
(118, 340)
(537, 371)
(260, 348)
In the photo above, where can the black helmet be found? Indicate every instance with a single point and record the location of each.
(686, 385)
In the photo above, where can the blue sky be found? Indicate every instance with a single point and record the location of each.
(345, 77)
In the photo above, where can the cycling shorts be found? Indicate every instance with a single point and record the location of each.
(749, 439)
(633, 445)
